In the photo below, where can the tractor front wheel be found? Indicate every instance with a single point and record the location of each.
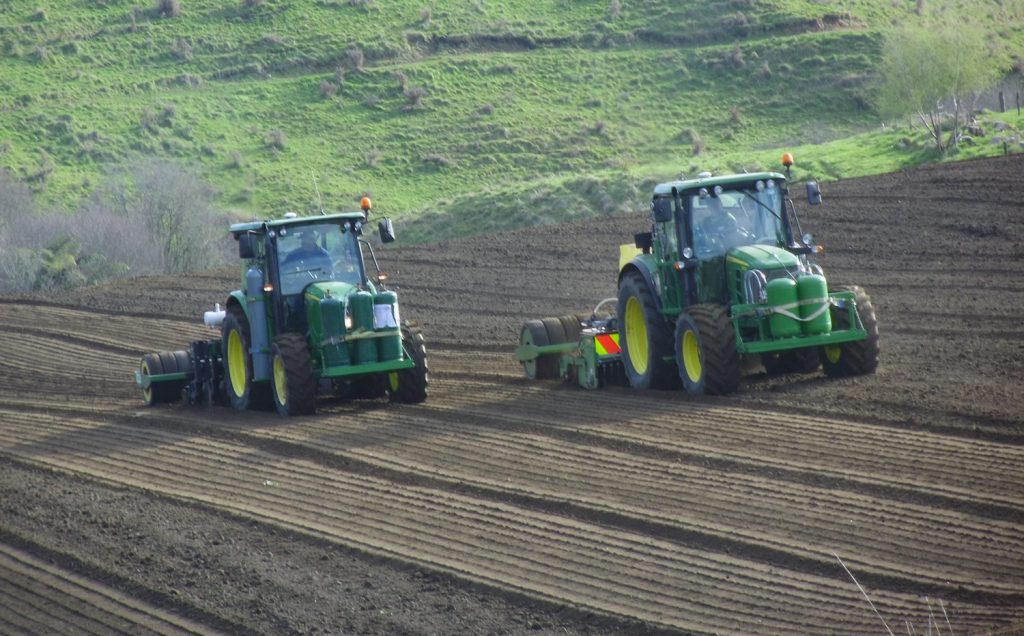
(294, 388)
(645, 337)
(410, 385)
(853, 358)
(706, 351)
(238, 384)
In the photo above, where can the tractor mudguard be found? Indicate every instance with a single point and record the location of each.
(644, 264)
(237, 298)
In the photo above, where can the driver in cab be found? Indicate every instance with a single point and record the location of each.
(308, 250)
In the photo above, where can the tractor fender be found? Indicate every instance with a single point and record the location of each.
(643, 265)
(237, 299)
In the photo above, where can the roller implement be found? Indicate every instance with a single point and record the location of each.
(308, 318)
(720, 284)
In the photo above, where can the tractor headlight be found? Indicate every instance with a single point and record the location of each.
(755, 285)
(348, 321)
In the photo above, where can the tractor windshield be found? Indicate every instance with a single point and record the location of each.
(736, 217)
(321, 252)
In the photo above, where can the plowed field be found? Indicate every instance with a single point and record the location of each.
(508, 506)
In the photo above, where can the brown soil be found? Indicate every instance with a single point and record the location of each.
(508, 506)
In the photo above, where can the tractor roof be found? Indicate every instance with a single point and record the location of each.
(723, 180)
(340, 218)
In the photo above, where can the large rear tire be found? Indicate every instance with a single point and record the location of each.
(705, 346)
(410, 385)
(292, 382)
(645, 337)
(853, 358)
(242, 392)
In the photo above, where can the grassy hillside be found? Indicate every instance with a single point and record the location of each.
(465, 115)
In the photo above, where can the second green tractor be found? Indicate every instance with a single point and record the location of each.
(724, 278)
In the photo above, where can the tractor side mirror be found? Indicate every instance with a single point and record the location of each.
(661, 210)
(644, 241)
(386, 230)
(246, 245)
(813, 193)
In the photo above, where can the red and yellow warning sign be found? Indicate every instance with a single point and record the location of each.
(607, 344)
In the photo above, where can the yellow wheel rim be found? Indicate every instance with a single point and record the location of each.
(636, 335)
(280, 382)
(691, 356)
(147, 393)
(393, 380)
(236, 363)
(833, 353)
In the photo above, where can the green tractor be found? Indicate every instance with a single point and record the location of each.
(308, 318)
(720, 281)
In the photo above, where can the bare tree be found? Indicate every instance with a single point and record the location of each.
(925, 68)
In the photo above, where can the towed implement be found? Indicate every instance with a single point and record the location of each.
(308, 318)
(719, 282)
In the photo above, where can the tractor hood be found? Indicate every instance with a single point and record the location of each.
(763, 257)
(337, 289)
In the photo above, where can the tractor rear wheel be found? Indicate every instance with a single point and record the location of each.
(294, 388)
(645, 337)
(792, 361)
(853, 358)
(706, 350)
(235, 344)
(410, 385)
(543, 367)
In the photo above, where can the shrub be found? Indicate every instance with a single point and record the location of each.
(39, 15)
(438, 160)
(328, 89)
(42, 173)
(148, 120)
(181, 49)
(168, 8)
(272, 40)
(355, 59)
(736, 58)
(414, 96)
(275, 139)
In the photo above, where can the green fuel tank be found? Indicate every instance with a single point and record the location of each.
(782, 292)
(332, 313)
(813, 292)
(361, 308)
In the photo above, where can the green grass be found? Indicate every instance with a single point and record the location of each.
(530, 111)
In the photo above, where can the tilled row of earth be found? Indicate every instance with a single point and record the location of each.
(502, 505)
